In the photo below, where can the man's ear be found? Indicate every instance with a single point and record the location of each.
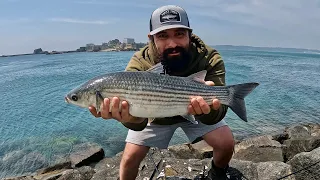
(150, 37)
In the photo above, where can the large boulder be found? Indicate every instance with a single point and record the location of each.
(86, 154)
(271, 170)
(292, 147)
(307, 165)
(298, 131)
(258, 149)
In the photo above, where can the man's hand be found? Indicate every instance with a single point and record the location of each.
(121, 115)
(200, 106)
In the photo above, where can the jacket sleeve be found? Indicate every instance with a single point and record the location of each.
(135, 64)
(216, 73)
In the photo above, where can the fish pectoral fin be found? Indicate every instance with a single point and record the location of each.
(199, 76)
(99, 100)
(190, 118)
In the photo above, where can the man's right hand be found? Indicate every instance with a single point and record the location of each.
(121, 115)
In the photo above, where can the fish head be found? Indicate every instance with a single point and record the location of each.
(83, 96)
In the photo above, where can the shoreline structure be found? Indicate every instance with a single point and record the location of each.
(129, 44)
(293, 153)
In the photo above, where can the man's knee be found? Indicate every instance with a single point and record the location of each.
(133, 154)
(221, 139)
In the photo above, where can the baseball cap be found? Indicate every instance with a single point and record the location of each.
(168, 17)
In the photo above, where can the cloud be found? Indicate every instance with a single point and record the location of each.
(119, 3)
(77, 21)
(275, 15)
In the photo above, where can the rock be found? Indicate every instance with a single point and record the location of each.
(104, 174)
(20, 178)
(201, 150)
(53, 175)
(82, 173)
(59, 166)
(315, 129)
(298, 131)
(273, 170)
(260, 154)
(108, 167)
(186, 168)
(169, 171)
(182, 151)
(86, 154)
(292, 147)
(280, 137)
(306, 159)
(86, 171)
(259, 149)
(71, 174)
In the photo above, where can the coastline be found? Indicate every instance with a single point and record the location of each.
(269, 156)
(65, 52)
(225, 47)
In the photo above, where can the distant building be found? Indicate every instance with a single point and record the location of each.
(81, 49)
(128, 41)
(90, 47)
(96, 48)
(104, 46)
(38, 51)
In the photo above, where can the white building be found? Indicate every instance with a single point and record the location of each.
(128, 41)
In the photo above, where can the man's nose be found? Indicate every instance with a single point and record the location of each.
(171, 43)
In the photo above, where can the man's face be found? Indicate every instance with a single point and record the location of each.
(173, 47)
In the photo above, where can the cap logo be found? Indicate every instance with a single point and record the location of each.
(170, 16)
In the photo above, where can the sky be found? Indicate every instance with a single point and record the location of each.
(55, 25)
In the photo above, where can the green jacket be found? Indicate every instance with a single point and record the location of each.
(203, 58)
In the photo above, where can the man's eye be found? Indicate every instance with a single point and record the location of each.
(162, 36)
(180, 34)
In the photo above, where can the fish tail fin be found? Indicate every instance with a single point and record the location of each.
(237, 93)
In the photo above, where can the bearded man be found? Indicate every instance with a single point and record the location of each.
(181, 53)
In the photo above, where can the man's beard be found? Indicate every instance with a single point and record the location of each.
(177, 63)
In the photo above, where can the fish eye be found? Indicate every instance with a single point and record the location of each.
(74, 97)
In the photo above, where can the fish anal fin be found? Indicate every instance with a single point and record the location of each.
(190, 118)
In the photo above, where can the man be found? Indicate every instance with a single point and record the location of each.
(182, 53)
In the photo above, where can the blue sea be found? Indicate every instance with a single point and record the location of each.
(37, 126)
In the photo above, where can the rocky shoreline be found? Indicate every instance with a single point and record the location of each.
(268, 157)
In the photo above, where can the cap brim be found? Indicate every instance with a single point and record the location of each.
(168, 27)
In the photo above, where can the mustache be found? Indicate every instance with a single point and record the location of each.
(172, 50)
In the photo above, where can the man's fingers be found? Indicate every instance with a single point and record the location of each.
(115, 109)
(209, 83)
(195, 105)
(125, 111)
(93, 111)
(205, 108)
(216, 104)
(105, 114)
(191, 110)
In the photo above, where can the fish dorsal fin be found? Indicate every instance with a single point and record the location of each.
(199, 76)
(158, 68)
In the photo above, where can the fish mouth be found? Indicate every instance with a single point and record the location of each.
(66, 99)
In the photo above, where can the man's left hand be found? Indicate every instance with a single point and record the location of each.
(199, 106)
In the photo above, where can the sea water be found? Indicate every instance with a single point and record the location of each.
(37, 126)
